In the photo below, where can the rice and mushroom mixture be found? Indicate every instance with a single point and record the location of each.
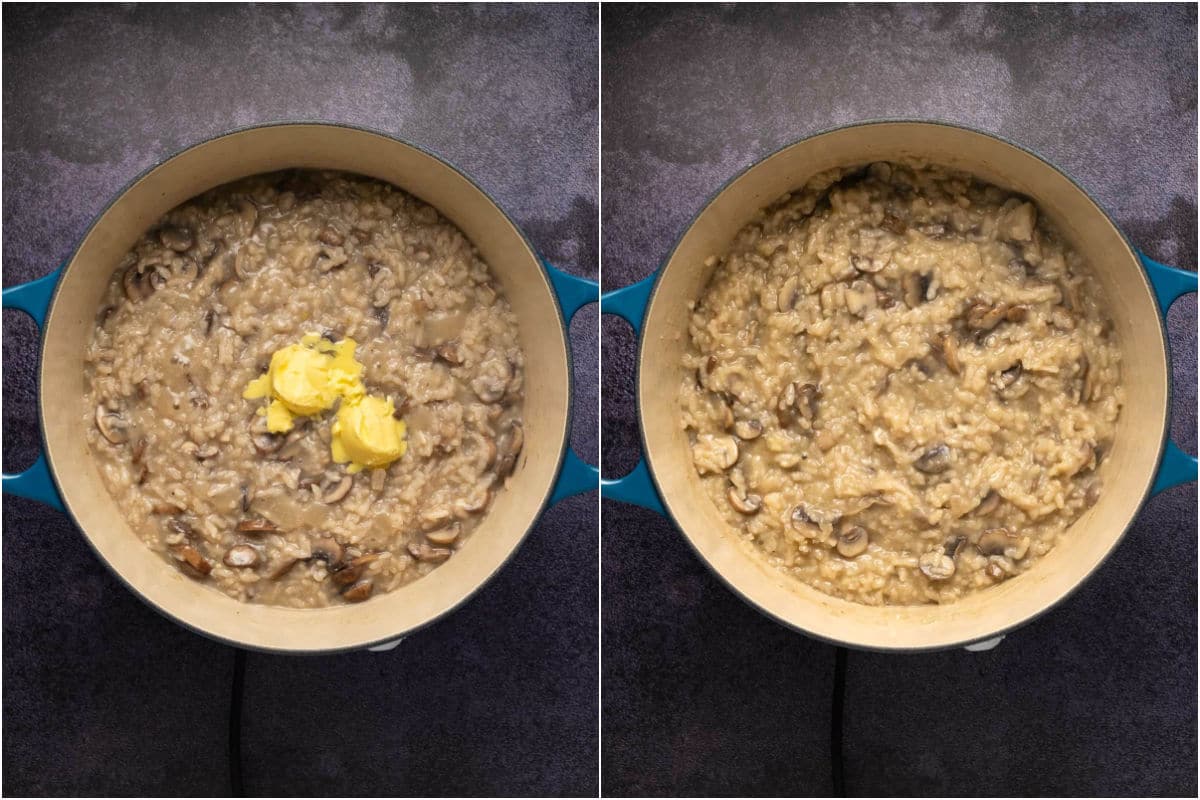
(194, 313)
(900, 384)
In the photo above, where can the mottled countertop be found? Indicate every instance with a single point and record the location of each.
(102, 695)
(703, 695)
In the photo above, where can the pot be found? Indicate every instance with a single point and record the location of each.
(64, 305)
(1140, 463)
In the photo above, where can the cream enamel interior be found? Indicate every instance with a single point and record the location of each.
(1127, 472)
(267, 149)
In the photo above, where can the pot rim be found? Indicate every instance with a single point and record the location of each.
(542, 506)
(666, 503)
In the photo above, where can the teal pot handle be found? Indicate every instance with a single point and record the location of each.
(1169, 284)
(577, 476)
(637, 488)
(34, 483)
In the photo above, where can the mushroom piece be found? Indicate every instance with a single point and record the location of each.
(509, 447)
(852, 541)
(177, 239)
(798, 401)
(326, 549)
(1062, 319)
(359, 592)
(994, 571)
(984, 317)
(1016, 314)
(789, 294)
(135, 284)
(334, 489)
(1005, 382)
(948, 344)
(111, 426)
(934, 460)
(449, 352)
(473, 505)
(996, 542)
(353, 570)
(804, 521)
(747, 429)
(954, 545)
(714, 454)
(866, 264)
(190, 557)
(256, 525)
(444, 537)
(178, 526)
(267, 443)
(860, 298)
(430, 555)
(748, 504)
(241, 555)
(916, 288)
(893, 224)
(282, 568)
(989, 503)
(1086, 377)
(936, 565)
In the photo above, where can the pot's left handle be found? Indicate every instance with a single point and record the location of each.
(577, 476)
(1169, 284)
(34, 483)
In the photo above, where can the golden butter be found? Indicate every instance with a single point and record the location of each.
(307, 378)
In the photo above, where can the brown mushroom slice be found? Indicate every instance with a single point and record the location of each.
(444, 537)
(936, 565)
(989, 503)
(915, 288)
(179, 526)
(852, 541)
(1087, 379)
(473, 505)
(934, 460)
(490, 388)
(326, 549)
(948, 345)
(174, 238)
(449, 352)
(996, 541)
(1006, 382)
(256, 525)
(805, 521)
(994, 571)
(359, 592)
(984, 317)
(713, 455)
(747, 429)
(267, 443)
(509, 446)
(111, 426)
(135, 284)
(893, 224)
(867, 265)
(351, 571)
(241, 555)
(1016, 314)
(749, 504)
(427, 554)
(789, 294)
(954, 545)
(860, 298)
(334, 490)
(189, 556)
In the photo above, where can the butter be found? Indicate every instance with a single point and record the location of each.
(367, 434)
(308, 378)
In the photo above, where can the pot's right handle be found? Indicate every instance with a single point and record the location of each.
(1169, 284)
(34, 483)
(637, 488)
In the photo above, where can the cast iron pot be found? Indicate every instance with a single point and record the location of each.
(65, 302)
(1141, 462)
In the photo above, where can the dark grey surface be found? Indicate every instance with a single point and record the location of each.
(102, 695)
(703, 695)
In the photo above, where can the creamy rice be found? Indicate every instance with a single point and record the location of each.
(900, 383)
(195, 312)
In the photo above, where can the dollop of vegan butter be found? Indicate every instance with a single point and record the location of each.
(306, 379)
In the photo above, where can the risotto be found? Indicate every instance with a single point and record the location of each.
(900, 384)
(304, 388)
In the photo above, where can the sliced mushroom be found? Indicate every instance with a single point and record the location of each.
(178, 526)
(283, 568)
(509, 447)
(331, 237)
(1086, 377)
(893, 224)
(1016, 314)
(335, 489)
(450, 352)
(359, 592)
(996, 541)
(852, 541)
(177, 239)
(353, 570)
(245, 498)
(989, 503)
(1005, 382)
(267, 443)
(948, 344)
(191, 557)
(714, 454)
(954, 545)
(111, 426)
(798, 402)
(490, 388)
(430, 555)
(444, 537)
(241, 555)
(934, 460)
(916, 287)
(473, 505)
(984, 317)
(207, 451)
(744, 504)
(803, 521)
(256, 525)
(867, 264)
(326, 549)
(994, 571)
(747, 429)
(860, 298)
(135, 284)
(936, 565)
(789, 294)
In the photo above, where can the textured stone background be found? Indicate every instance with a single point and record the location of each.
(104, 696)
(701, 694)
